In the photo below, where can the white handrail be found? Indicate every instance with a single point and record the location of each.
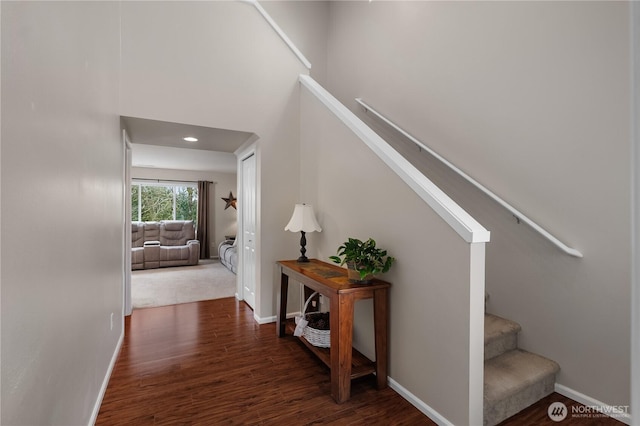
(518, 214)
(279, 31)
(461, 221)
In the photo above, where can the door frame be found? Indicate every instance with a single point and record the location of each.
(248, 149)
(126, 191)
(248, 240)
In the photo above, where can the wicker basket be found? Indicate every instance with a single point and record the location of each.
(315, 336)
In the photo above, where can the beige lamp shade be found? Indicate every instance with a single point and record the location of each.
(303, 219)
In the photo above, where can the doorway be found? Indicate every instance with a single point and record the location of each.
(162, 151)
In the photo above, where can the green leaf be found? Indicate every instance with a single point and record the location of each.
(367, 258)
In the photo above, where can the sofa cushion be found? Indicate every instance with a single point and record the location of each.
(151, 256)
(174, 253)
(151, 231)
(137, 258)
(228, 254)
(137, 234)
(176, 232)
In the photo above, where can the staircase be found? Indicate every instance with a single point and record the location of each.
(513, 379)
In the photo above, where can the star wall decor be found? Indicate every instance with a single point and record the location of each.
(231, 201)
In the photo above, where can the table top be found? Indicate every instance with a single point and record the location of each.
(330, 275)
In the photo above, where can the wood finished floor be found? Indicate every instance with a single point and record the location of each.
(209, 363)
(537, 415)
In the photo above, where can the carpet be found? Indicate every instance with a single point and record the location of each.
(182, 284)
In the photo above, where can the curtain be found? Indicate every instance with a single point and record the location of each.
(203, 219)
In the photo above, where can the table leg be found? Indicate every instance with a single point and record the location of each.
(341, 326)
(281, 305)
(381, 326)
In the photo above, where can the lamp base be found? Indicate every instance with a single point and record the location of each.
(303, 250)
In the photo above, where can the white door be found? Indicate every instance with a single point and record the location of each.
(248, 209)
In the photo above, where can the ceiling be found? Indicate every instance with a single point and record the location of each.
(160, 144)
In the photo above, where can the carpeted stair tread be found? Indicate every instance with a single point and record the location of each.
(500, 335)
(514, 381)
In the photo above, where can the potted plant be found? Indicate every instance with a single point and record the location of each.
(363, 259)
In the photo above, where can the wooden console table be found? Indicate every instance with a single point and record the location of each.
(344, 361)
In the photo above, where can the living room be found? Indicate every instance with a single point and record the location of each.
(168, 160)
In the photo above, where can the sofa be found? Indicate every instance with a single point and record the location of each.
(162, 244)
(228, 252)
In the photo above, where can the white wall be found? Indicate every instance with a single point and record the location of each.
(532, 99)
(221, 222)
(62, 212)
(306, 23)
(356, 195)
(219, 64)
(635, 212)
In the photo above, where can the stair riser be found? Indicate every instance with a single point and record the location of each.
(501, 410)
(497, 347)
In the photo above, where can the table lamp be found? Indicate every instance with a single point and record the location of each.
(303, 220)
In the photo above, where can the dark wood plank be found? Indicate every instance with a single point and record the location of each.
(381, 329)
(332, 281)
(360, 364)
(332, 278)
(537, 414)
(341, 319)
(282, 304)
(209, 363)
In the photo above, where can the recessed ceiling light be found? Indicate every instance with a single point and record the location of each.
(190, 139)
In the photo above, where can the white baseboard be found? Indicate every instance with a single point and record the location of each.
(418, 403)
(594, 404)
(267, 320)
(105, 381)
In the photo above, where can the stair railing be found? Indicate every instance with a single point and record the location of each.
(518, 214)
(461, 221)
(280, 33)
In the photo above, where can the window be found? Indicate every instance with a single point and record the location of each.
(164, 201)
